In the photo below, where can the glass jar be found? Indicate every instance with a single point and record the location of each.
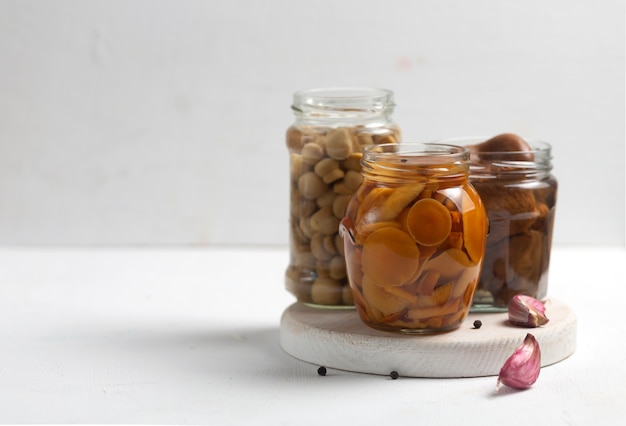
(414, 236)
(514, 180)
(325, 148)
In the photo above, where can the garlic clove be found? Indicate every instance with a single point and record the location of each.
(526, 311)
(521, 369)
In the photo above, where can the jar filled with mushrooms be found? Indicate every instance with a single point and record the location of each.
(325, 143)
(414, 236)
(513, 177)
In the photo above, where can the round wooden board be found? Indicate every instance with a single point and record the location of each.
(336, 338)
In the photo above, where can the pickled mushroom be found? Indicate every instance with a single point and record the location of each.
(339, 143)
(398, 200)
(403, 293)
(369, 204)
(365, 229)
(428, 281)
(441, 293)
(505, 143)
(381, 300)
(434, 311)
(326, 291)
(429, 222)
(503, 203)
(390, 256)
(450, 264)
(474, 227)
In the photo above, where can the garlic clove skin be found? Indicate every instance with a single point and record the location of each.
(526, 311)
(520, 370)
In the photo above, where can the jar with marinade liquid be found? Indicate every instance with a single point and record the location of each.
(325, 142)
(414, 235)
(513, 177)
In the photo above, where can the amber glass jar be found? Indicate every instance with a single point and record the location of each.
(519, 193)
(325, 147)
(414, 236)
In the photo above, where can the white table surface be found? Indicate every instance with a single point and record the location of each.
(178, 336)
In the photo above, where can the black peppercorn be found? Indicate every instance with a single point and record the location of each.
(478, 323)
(321, 371)
(394, 375)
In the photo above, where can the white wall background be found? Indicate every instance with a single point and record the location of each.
(162, 122)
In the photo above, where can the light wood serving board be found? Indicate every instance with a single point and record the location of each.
(336, 338)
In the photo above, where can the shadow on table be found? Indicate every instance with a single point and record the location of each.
(241, 352)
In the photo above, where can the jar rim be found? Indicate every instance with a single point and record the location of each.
(507, 164)
(417, 149)
(415, 159)
(537, 146)
(355, 99)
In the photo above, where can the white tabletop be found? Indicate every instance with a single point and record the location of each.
(178, 336)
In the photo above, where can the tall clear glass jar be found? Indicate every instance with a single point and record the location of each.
(414, 236)
(513, 177)
(325, 143)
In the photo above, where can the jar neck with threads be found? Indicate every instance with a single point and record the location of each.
(533, 164)
(336, 107)
(415, 162)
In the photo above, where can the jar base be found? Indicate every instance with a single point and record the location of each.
(485, 308)
(411, 331)
(328, 307)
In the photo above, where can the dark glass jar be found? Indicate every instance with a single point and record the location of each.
(414, 236)
(325, 148)
(519, 193)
